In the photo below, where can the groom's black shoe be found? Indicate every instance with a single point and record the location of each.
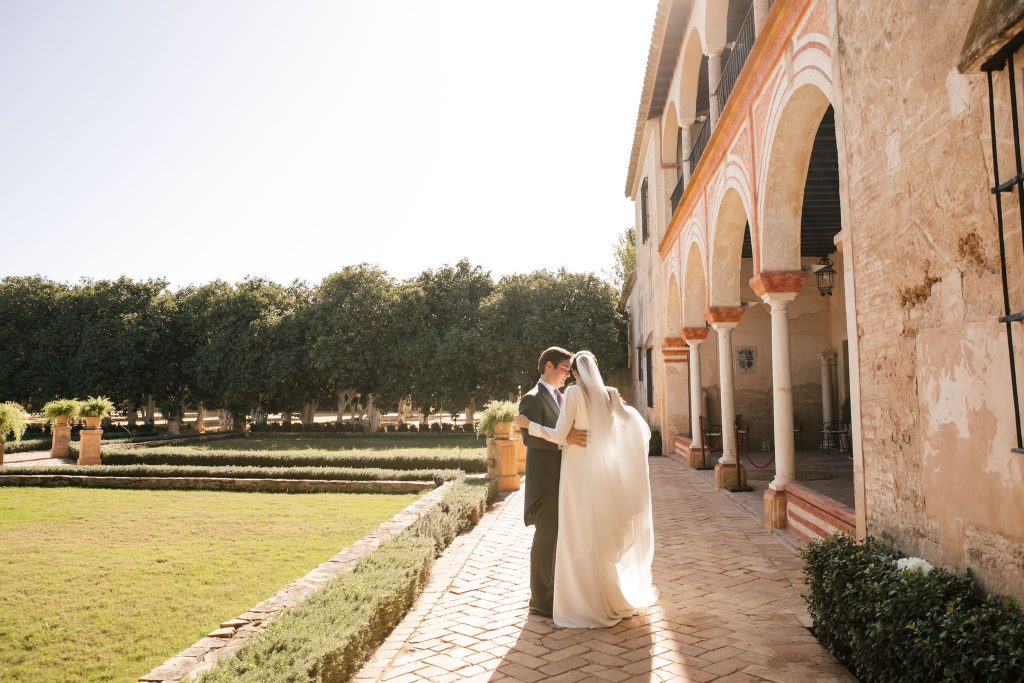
(537, 610)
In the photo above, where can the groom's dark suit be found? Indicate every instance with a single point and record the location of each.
(543, 467)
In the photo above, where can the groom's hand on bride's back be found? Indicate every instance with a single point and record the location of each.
(577, 437)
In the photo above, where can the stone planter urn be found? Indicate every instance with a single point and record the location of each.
(502, 430)
(60, 446)
(92, 422)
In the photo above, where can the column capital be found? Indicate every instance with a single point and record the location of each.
(695, 334)
(713, 51)
(778, 300)
(827, 356)
(724, 314)
(778, 282)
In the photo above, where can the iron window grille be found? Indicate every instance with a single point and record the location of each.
(645, 229)
(639, 364)
(650, 379)
(1012, 184)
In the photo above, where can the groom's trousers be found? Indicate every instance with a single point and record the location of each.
(543, 468)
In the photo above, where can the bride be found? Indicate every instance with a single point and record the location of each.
(605, 533)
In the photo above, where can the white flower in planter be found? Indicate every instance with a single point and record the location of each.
(910, 564)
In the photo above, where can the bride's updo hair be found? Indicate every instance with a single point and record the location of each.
(575, 367)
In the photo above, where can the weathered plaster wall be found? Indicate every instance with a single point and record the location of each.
(937, 420)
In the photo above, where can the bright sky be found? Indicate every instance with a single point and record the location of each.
(199, 139)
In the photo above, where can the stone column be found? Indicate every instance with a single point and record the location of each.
(778, 289)
(761, 8)
(725, 320)
(694, 337)
(686, 145)
(828, 400)
(714, 76)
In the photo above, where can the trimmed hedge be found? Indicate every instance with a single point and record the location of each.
(27, 446)
(886, 624)
(325, 473)
(330, 635)
(469, 463)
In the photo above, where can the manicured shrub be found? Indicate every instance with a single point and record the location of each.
(889, 624)
(323, 473)
(330, 635)
(470, 463)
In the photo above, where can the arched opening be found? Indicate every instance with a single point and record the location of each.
(676, 416)
(802, 231)
(731, 227)
(695, 289)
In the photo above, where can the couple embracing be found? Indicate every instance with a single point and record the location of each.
(587, 494)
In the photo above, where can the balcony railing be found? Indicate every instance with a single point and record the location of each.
(741, 47)
(700, 142)
(677, 194)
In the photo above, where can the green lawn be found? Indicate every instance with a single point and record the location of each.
(103, 585)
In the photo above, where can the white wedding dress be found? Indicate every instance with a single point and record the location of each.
(605, 541)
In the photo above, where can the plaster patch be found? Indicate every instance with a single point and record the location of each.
(959, 93)
(892, 151)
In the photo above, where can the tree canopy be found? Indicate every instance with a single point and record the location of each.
(446, 339)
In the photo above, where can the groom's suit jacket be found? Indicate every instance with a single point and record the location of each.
(543, 458)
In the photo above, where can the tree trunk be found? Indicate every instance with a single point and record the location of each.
(373, 414)
(2, 444)
(470, 411)
(200, 418)
(309, 413)
(150, 409)
(286, 418)
(173, 426)
(133, 415)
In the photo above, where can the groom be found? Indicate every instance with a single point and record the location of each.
(542, 405)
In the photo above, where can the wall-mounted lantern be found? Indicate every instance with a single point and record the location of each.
(826, 276)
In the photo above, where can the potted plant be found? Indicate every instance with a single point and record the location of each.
(497, 419)
(13, 422)
(62, 411)
(94, 409)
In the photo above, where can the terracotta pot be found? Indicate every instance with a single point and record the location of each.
(502, 430)
(92, 422)
(60, 421)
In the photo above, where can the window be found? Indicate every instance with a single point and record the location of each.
(650, 379)
(645, 228)
(639, 364)
(992, 39)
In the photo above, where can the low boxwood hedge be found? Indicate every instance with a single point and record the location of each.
(888, 624)
(324, 473)
(396, 460)
(330, 635)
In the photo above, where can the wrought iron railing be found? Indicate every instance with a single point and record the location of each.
(741, 47)
(700, 142)
(677, 194)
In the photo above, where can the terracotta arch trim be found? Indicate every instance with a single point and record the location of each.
(695, 333)
(778, 282)
(724, 314)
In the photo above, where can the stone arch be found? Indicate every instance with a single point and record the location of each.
(689, 75)
(716, 14)
(695, 286)
(787, 155)
(674, 310)
(670, 136)
(729, 223)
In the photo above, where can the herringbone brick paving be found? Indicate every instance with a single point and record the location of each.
(730, 606)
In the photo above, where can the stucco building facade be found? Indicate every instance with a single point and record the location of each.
(779, 143)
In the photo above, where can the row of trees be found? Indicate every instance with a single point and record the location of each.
(444, 340)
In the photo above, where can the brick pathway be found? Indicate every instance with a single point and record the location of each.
(730, 606)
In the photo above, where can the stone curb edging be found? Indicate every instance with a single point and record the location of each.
(218, 483)
(225, 641)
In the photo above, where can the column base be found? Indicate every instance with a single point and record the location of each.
(774, 509)
(697, 458)
(725, 476)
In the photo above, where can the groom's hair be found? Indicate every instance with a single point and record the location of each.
(554, 355)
